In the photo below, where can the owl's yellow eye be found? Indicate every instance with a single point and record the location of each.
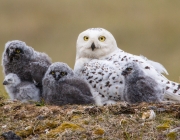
(52, 72)
(128, 69)
(102, 38)
(63, 73)
(86, 38)
(18, 51)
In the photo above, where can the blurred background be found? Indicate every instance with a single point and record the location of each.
(150, 28)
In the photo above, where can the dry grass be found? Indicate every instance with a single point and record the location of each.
(120, 121)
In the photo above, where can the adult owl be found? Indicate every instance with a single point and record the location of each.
(97, 54)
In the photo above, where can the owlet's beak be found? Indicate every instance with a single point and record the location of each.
(124, 73)
(5, 83)
(93, 46)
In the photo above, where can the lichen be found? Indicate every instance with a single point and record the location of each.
(99, 131)
(163, 126)
(25, 133)
(63, 127)
(172, 135)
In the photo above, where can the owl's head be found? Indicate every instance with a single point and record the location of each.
(95, 43)
(58, 71)
(130, 69)
(11, 80)
(16, 50)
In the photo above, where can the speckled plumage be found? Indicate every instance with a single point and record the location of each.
(24, 61)
(97, 45)
(24, 91)
(105, 80)
(139, 87)
(61, 86)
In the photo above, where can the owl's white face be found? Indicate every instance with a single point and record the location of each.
(95, 43)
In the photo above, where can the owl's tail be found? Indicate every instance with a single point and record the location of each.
(172, 91)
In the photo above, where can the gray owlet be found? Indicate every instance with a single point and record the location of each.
(28, 64)
(139, 87)
(24, 91)
(61, 86)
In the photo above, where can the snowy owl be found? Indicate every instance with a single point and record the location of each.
(24, 61)
(24, 91)
(139, 87)
(97, 46)
(61, 86)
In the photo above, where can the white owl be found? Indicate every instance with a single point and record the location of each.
(100, 62)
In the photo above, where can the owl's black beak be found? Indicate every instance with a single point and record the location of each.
(57, 77)
(5, 83)
(12, 55)
(124, 73)
(93, 46)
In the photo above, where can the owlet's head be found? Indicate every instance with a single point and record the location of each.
(130, 69)
(11, 80)
(16, 49)
(59, 71)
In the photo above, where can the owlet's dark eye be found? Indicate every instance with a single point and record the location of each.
(9, 80)
(52, 72)
(63, 73)
(18, 50)
(128, 69)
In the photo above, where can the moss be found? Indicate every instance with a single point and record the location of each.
(126, 135)
(62, 127)
(163, 126)
(25, 133)
(172, 135)
(47, 125)
(75, 117)
(52, 124)
(86, 122)
(99, 131)
(123, 122)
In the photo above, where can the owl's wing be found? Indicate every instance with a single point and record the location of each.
(148, 89)
(159, 67)
(28, 92)
(105, 79)
(79, 83)
(74, 95)
(42, 57)
(38, 69)
(144, 86)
